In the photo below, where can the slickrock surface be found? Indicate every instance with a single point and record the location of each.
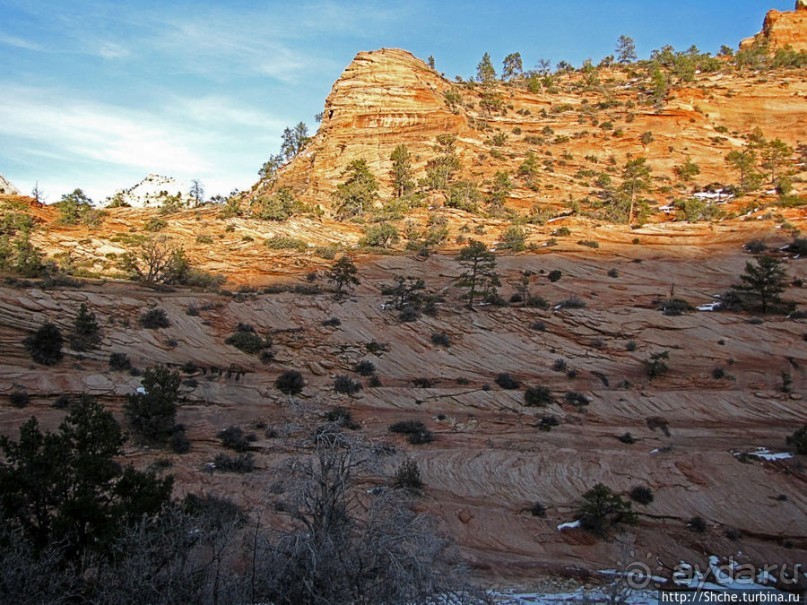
(488, 463)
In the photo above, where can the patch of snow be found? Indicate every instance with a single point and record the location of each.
(765, 454)
(569, 525)
(141, 390)
(713, 306)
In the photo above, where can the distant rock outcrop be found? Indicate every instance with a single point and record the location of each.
(152, 192)
(383, 99)
(783, 29)
(6, 188)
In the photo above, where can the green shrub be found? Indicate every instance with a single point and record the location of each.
(342, 417)
(514, 238)
(365, 368)
(440, 339)
(154, 319)
(408, 476)
(151, 411)
(641, 494)
(507, 382)
(346, 385)
(234, 438)
(383, 235)
(119, 362)
(290, 382)
(573, 302)
(697, 524)
(242, 463)
(415, 431)
(220, 511)
(539, 396)
(19, 399)
(281, 242)
(798, 440)
(536, 302)
(555, 275)
(546, 423)
(155, 224)
(179, 442)
(576, 399)
(588, 243)
(45, 345)
(86, 332)
(245, 339)
(600, 509)
(674, 306)
(656, 364)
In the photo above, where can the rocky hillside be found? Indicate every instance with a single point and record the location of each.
(555, 135)
(693, 405)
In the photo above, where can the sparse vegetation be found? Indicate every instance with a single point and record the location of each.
(45, 345)
(345, 385)
(408, 476)
(539, 396)
(154, 319)
(798, 440)
(86, 333)
(151, 412)
(240, 463)
(119, 362)
(290, 382)
(601, 509)
(656, 364)
(440, 339)
(247, 340)
(415, 431)
(641, 494)
(234, 438)
(507, 382)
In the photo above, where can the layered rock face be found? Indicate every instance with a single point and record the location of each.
(783, 29)
(384, 98)
(576, 125)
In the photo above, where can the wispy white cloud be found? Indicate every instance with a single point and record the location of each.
(98, 132)
(111, 50)
(18, 42)
(212, 137)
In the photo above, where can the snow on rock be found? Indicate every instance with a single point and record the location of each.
(6, 188)
(569, 525)
(765, 454)
(152, 192)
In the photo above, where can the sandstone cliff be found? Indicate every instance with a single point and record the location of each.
(577, 124)
(783, 29)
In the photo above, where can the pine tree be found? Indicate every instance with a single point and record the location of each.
(86, 332)
(625, 49)
(485, 72)
(358, 192)
(635, 180)
(343, 275)
(68, 488)
(764, 281)
(479, 277)
(401, 171)
(152, 411)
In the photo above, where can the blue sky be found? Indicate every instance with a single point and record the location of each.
(97, 94)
